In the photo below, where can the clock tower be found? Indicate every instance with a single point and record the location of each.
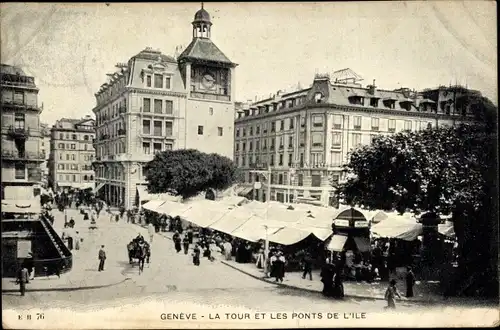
(208, 76)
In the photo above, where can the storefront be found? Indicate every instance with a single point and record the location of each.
(351, 232)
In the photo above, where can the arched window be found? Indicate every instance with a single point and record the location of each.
(91, 178)
(86, 137)
(85, 177)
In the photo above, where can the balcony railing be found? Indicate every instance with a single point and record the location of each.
(209, 96)
(19, 105)
(16, 155)
(18, 132)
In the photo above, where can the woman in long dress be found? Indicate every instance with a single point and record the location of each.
(390, 295)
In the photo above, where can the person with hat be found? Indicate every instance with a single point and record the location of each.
(280, 266)
(196, 255)
(177, 241)
(77, 240)
(102, 258)
(390, 295)
(185, 243)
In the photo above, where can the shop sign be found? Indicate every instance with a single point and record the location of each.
(361, 224)
(341, 223)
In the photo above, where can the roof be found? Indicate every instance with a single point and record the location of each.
(153, 55)
(204, 49)
(10, 69)
(202, 16)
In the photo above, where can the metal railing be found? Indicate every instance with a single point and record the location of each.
(18, 131)
(9, 154)
(209, 96)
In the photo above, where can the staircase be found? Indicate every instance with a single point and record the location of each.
(51, 233)
(99, 186)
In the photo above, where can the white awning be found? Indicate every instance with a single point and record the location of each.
(142, 191)
(398, 227)
(288, 236)
(153, 205)
(337, 243)
(446, 229)
(363, 244)
(31, 206)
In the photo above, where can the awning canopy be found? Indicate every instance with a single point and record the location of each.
(31, 206)
(363, 244)
(446, 229)
(288, 236)
(398, 227)
(153, 205)
(172, 209)
(243, 191)
(337, 243)
(231, 220)
(203, 213)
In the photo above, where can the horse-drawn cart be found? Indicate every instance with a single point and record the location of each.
(140, 251)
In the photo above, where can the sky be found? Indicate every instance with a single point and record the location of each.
(69, 48)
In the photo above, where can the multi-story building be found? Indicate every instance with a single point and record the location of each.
(304, 137)
(45, 149)
(157, 102)
(21, 153)
(72, 154)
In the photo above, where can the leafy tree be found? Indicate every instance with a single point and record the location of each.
(188, 172)
(441, 170)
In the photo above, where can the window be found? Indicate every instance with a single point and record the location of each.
(375, 123)
(168, 82)
(317, 159)
(158, 81)
(237, 132)
(251, 131)
(257, 130)
(373, 137)
(282, 142)
(407, 125)
(272, 143)
(169, 128)
(272, 160)
(158, 106)
(302, 141)
(73, 157)
(168, 146)
(146, 148)
(211, 111)
(61, 145)
(244, 146)
(301, 159)
(273, 127)
(220, 131)
(19, 97)
(336, 158)
(74, 178)
(243, 160)
(60, 166)
(300, 179)
(67, 156)
(316, 180)
(318, 97)
(86, 137)
(146, 105)
(156, 148)
(356, 139)
(237, 146)
(336, 139)
(20, 171)
(61, 136)
(73, 146)
(317, 120)
(200, 130)
(337, 121)
(19, 122)
(290, 159)
(148, 81)
(392, 125)
(357, 122)
(244, 132)
(169, 107)
(290, 142)
(257, 145)
(374, 102)
(291, 123)
(146, 127)
(282, 125)
(74, 137)
(302, 121)
(281, 160)
(61, 156)
(317, 140)
(429, 125)
(85, 177)
(157, 128)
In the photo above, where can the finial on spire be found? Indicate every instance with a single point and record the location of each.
(202, 5)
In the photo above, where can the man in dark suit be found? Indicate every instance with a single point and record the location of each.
(102, 258)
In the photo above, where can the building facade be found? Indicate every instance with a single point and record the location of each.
(72, 154)
(304, 137)
(45, 149)
(21, 153)
(157, 102)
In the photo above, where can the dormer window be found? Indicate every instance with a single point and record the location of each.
(390, 103)
(356, 100)
(374, 102)
(318, 97)
(406, 105)
(148, 80)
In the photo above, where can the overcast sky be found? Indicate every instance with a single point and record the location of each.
(69, 48)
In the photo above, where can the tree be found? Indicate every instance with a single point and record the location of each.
(188, 172)
(442, 170)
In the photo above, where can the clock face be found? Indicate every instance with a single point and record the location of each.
(208, 81)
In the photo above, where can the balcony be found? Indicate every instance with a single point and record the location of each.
(210, 96)
(19, 105)
(25, 156)
(18, 132)
(122, 132)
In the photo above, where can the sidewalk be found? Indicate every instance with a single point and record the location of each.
(424, 292)
(84, 274)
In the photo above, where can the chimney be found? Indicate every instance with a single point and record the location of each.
(372, 88)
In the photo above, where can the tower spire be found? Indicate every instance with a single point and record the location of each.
(202, 5)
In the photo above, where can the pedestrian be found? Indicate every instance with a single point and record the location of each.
(326, 274)
(307, 261)
(280, 266)
(23, 279)
(196, 255)
(228, 248)
(102, 258)
(151, 231)
(177, 241)
(338, 286)
(185, 243)
(410, 281)
(190, 234)
(390, 295)
(30, 265)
